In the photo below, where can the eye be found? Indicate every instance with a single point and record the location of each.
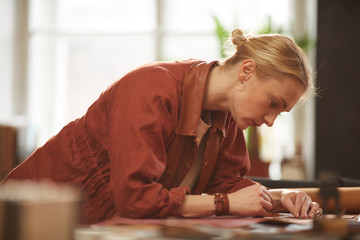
(273, 104)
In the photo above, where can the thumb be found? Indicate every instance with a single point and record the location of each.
(289, 203)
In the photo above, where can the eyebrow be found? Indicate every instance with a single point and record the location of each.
(284, 102)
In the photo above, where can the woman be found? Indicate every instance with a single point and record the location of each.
(165, 133)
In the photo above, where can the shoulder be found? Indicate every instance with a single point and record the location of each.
(154, 81)
(161, 71)
(158, 77)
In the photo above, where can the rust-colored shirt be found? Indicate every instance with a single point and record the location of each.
(192, 176)
(135, 144)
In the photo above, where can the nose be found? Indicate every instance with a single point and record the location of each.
(269, 119)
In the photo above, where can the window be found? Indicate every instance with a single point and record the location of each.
(78, 48)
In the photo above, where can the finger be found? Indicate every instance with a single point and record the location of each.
(319, 213)
(315, 210)
(267, 192)
(267, 195)
(298, 204)
(289, 202)
(267, 205)
(262, 212)
(305, 208)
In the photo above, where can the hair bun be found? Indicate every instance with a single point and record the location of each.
(237, 37)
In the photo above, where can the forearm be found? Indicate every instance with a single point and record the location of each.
(254, 200)
(197, 206)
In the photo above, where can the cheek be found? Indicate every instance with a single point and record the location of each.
(247, 106)
(256, 112)
(237, 108)
(255, 106)
(242, 111)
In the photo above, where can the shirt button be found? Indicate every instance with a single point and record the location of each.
(205, 164)
(197, 139)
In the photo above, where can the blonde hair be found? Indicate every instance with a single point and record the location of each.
(275, 55)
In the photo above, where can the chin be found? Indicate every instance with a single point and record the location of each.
(242, 125)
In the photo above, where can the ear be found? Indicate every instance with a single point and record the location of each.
(247, 67)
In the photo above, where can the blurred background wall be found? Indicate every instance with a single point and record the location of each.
(338, 106)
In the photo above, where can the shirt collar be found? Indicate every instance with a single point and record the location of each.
(192, 101)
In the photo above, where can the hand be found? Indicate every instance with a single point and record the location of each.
(300, 204)
(254, 200)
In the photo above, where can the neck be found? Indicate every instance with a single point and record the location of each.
(220, 84)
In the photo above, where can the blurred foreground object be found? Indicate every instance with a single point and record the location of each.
(348, 197)
(7, 149)
(328, 191)
(38, 210)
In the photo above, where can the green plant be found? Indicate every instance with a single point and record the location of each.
(305, 42)
(269, 28)
(222, 34)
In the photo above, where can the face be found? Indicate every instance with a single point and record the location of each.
(262, 100)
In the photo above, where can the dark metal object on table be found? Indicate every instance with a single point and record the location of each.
(329, 182)
(330, 224)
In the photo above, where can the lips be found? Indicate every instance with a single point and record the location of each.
(253, 124)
